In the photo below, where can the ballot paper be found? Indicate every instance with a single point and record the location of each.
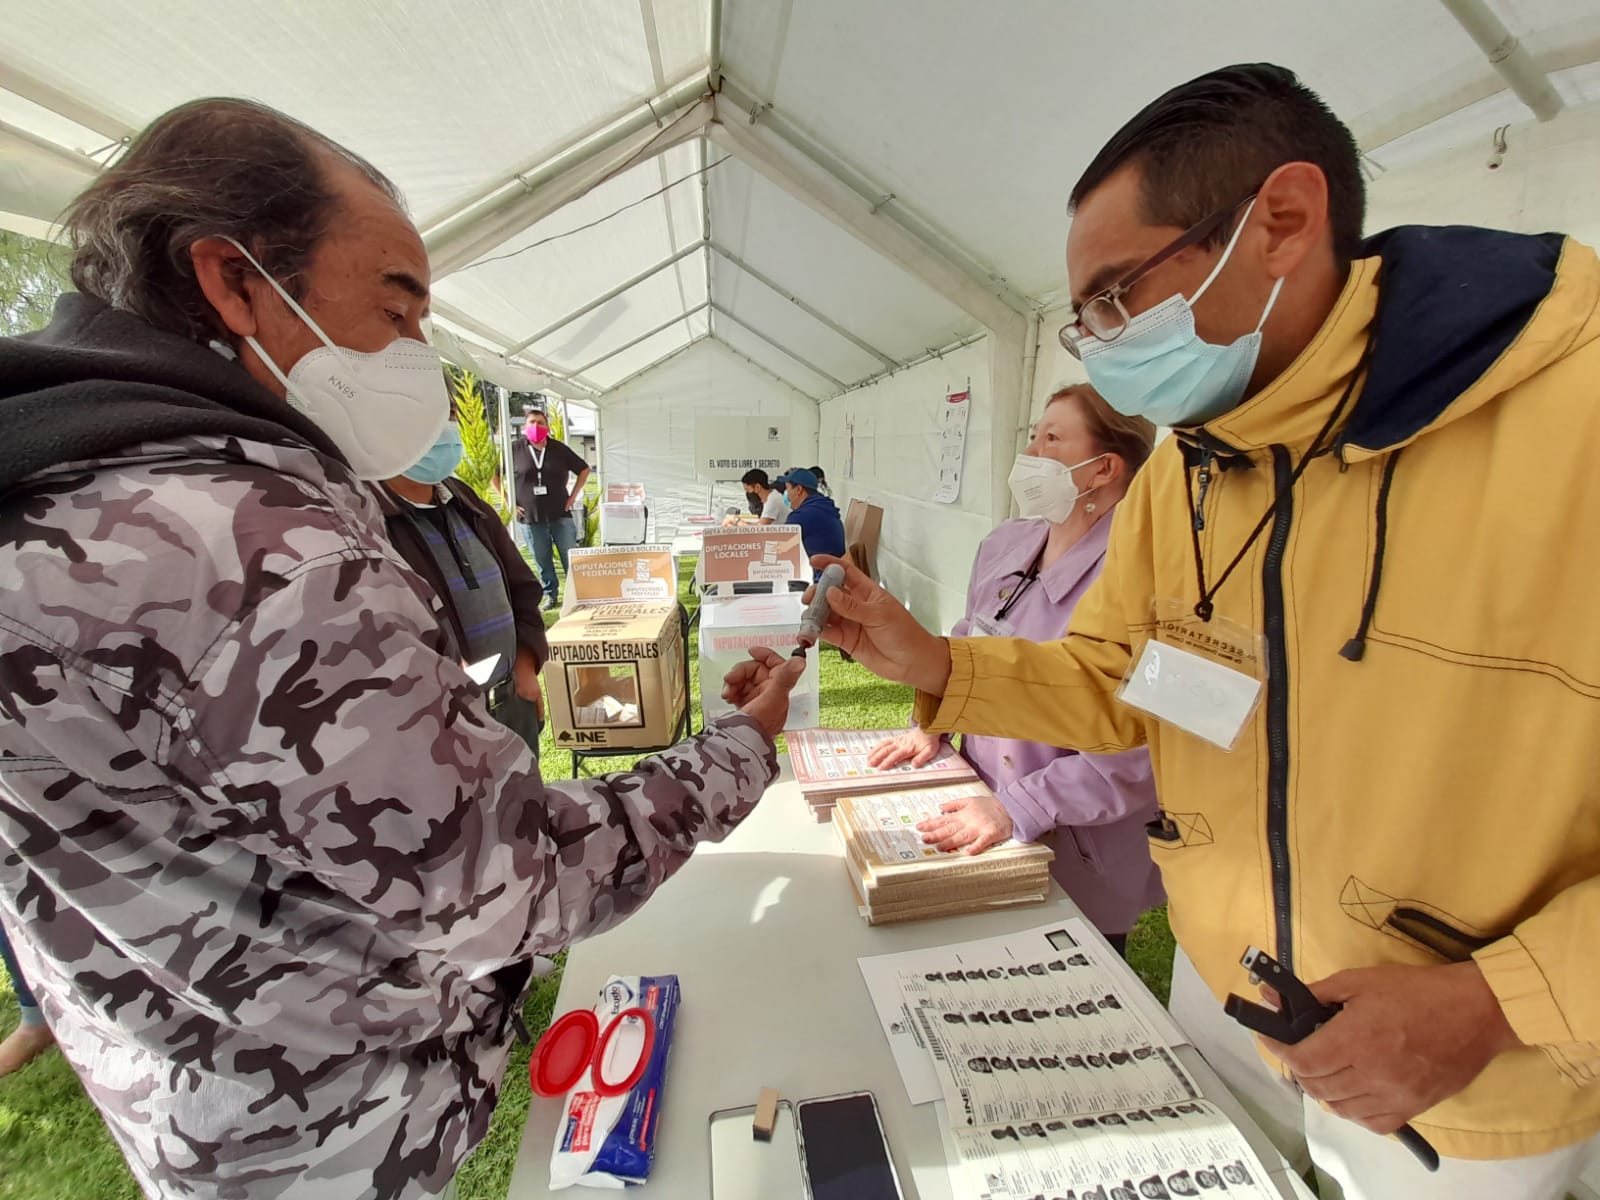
(1164, 1152)
(902, 1028)
(1048, 1038)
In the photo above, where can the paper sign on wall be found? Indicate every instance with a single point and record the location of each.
(728, 446)
(764, 554)
(953, 415)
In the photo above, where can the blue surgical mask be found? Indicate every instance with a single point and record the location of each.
(1161, 370)
(439, 463)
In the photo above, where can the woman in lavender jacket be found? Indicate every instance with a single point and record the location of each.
(1028, 576)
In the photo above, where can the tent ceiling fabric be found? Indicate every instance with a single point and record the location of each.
(966, 128)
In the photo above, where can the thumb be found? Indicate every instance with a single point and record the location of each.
(789, 674)
(1338, 988)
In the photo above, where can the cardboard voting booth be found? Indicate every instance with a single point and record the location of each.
(615, 679)
(739, 561)
(863, 523)
(624, 518)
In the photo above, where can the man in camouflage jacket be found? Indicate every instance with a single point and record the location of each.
(274, 874)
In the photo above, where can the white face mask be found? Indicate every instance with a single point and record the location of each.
(383, 409)
(1044, 488)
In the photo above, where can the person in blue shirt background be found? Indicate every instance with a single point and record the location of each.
(821, 527)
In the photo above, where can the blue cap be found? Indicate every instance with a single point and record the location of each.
(800, 477)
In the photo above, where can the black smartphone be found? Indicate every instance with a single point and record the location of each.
(844, 1151)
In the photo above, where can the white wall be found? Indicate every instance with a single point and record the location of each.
(1548, 182)
(926, 551)
(647, 427)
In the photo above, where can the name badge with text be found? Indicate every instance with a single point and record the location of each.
(991, 627)
(1192, 692)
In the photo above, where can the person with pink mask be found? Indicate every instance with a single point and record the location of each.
(549, 477)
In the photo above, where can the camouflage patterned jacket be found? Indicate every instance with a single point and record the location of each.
(264, 857)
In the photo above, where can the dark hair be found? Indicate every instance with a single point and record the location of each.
(1130, 438)
(817, 471)
(756, 476)
(208, 168)
(1206, 145)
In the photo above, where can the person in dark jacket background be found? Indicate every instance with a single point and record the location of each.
(821, 527)
(548, 477)
(456, 543)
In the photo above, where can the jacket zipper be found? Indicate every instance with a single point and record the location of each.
(1278, 705)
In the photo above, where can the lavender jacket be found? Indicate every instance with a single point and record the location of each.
(1091, 807)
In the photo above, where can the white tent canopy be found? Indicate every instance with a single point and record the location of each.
(833, 192)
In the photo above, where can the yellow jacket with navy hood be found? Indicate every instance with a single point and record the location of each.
(1421, 781)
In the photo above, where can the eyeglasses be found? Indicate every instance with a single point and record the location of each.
(1103, 316)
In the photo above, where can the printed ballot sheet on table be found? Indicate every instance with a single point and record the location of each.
(1039, 1039)
(1045, 943)
(1165, 1152)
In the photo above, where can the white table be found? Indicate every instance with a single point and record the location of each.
(763, 934)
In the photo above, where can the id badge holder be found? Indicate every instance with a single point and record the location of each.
(1203, 677)
(990, 627)
(539, 489)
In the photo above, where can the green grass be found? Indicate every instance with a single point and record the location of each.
(53, 1144)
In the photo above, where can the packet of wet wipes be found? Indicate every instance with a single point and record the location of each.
(610, 1142)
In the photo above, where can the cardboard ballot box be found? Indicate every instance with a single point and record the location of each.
(615, 679)
(737, 561)
(624, 518)
(728, 630)
(623, 524)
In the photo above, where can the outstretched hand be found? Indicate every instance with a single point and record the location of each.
(880, 633)
(760, 687)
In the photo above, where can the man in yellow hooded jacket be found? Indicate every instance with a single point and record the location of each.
(1359, 585)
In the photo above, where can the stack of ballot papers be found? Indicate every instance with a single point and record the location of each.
(830, 763)
(899, 877)
(1054, 1074)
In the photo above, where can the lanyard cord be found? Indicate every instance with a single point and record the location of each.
(1029, 577)
(1205, 607)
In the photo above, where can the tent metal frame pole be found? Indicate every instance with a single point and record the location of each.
(778, 346)
(1508, 56)
(811, 312)
(531, 362)
(1373, 135)
(645, 370)
(456, 240)
(605, 298)
(847, 208)
(929, 356)
(705, 210)
(769, 372)
(773, 145)
(508, 486)
(714, 57)
(643, 337)
(17, 81)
